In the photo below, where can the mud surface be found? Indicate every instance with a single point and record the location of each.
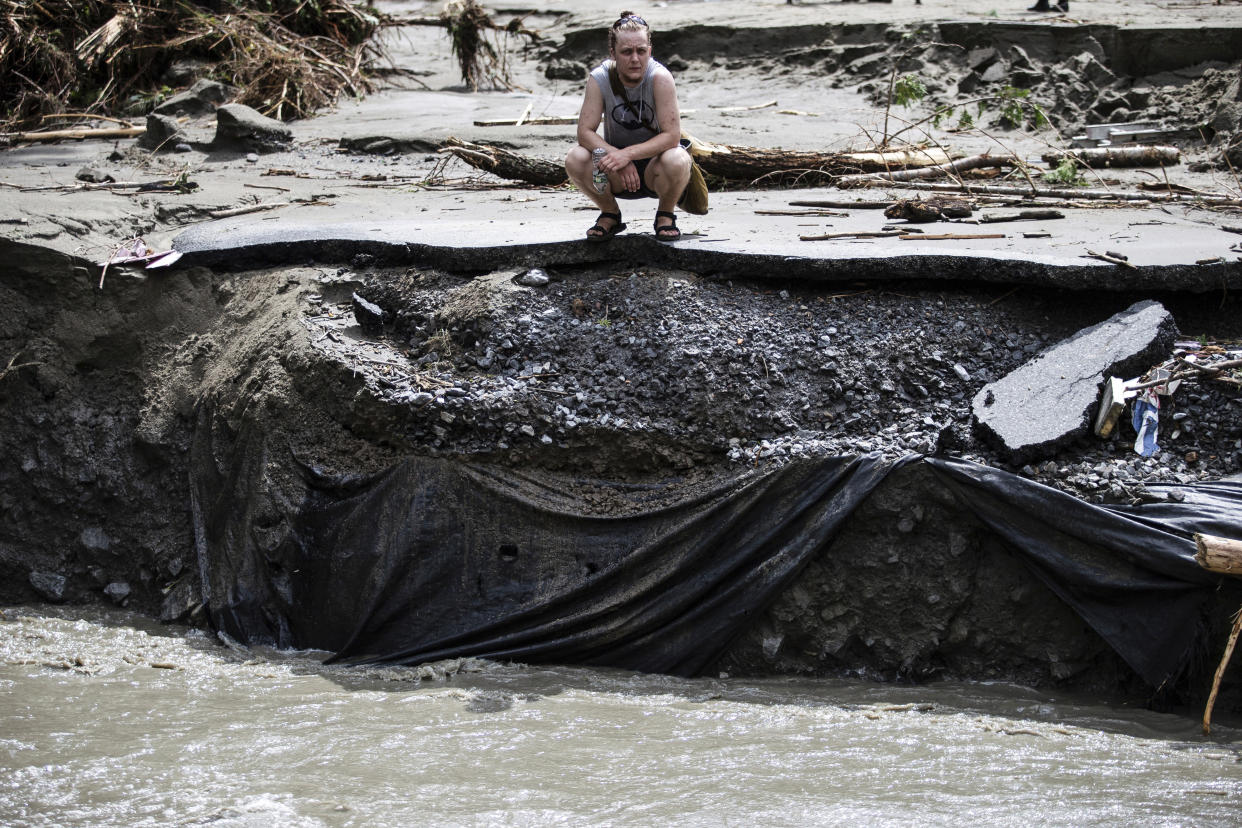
(615, 371)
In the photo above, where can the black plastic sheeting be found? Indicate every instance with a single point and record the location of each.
(435, 559)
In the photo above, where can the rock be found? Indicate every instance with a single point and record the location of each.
(49, 585)
(533, 278)
(163, 132)
(1048, 401)
(994, 73)
(200, 99)
(370, 316)
(93, 175)
(240, 127)
(95, 539)
(183, 71)
(562, 69)
(981, 58)
(117, 592)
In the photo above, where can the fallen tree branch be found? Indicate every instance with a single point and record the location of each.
(974, 162)
(850, 205)
(1105, 257)
(1024, 215)
(15, 366)
(949, 236)
(858, 234)
(73, 134)
(1219, 199)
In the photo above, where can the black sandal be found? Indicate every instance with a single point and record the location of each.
(605, 233)
(672, 232)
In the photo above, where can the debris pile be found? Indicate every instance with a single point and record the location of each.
(629, 371)
(112, 58)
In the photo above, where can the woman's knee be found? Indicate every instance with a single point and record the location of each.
(676, 161)
(577, 159)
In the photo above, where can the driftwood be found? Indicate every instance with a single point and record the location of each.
(506, 164)
(1215, 554)
(1112, 258)
(1097, 157)
(74, 134)
(1220, 672)
(1222, 555)
(949, 236)
(859, 234)
(852, 205)
(974, 162)
(749, 163)
(1023, 215)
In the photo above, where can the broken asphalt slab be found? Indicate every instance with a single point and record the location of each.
(545, 229)
(1031, 412)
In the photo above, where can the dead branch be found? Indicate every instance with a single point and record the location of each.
(1105, 257)
(1023, 215)
(949, 236)
(850, 205)
(859, 234)
(1219, 199)
(939, 171)
(15, 366)
(73, 134)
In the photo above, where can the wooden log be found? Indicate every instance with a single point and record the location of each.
(1097, 157)
(749, 163)
(1216, 554)
(1220, 672)
(507, 164)
(974, 162)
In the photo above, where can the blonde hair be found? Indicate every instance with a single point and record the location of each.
(627, 21)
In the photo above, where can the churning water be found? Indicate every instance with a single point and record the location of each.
(108, 719)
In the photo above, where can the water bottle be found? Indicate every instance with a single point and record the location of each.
(598, 177)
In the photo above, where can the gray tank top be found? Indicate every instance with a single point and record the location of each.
(621, 127)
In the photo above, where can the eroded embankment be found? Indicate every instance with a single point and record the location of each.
(603, 383)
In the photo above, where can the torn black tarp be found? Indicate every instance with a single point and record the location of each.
(435, 558)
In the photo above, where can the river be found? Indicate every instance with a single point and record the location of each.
(108, 718)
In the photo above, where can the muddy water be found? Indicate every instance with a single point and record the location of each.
(106, 719)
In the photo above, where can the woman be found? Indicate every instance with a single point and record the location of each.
(636, 99)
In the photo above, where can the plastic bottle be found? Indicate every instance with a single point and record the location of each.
(598, 177)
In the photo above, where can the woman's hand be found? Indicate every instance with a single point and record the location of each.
(617, 164)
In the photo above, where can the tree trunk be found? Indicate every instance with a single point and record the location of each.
(507, 164)
(750, 163)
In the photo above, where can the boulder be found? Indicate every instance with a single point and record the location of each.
(49, 585)
(163, 132)
(240, 127)
(117, 592)
(1048, 402)
(200, 99)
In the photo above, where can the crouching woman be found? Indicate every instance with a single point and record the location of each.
(636, 99)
